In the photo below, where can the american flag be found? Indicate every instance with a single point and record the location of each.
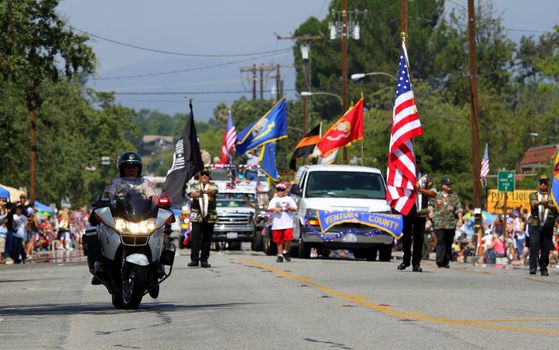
(229, 140)
(485, 165)
(401, 174)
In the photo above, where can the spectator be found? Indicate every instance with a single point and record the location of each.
(43, 239)
(3, 228)
(32, 228)
(19, 235)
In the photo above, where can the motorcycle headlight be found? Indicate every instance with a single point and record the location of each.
(144, 228)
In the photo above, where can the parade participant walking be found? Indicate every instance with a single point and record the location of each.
(541, 222)
(282, 207)
(414, 222)
(203, 216)
(448, 214)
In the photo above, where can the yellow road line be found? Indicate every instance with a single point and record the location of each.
(360, 300)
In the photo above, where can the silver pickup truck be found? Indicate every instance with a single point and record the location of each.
(235, 218)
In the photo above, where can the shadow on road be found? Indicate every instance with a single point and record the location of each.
(104, 308)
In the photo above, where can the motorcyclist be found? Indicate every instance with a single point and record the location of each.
(130, 171)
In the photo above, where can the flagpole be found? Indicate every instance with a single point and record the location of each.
(363, 139)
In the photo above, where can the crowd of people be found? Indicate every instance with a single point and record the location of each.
(25, 231)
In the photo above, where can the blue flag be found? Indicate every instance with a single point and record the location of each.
(268, 160)
(271, 127)
(555, 181)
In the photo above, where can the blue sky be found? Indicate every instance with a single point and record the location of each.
(220, 27)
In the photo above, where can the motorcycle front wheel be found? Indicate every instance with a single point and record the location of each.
(134, 279)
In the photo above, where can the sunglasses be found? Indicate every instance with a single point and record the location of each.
(280, 189)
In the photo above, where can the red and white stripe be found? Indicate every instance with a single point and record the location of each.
(229, 139)
(401, 173)
(485, 164)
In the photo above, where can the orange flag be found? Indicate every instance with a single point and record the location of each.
(347, 129)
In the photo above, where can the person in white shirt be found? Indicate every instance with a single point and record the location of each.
(282, 207)
(19, 234)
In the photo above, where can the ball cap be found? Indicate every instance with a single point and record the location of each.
(544, 178)
(281, 187)
(446, 181)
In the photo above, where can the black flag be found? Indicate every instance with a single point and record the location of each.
(305, 147)
(187, 161)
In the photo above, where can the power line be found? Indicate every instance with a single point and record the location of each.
(185, 92)
(181, 70)
(174, 52)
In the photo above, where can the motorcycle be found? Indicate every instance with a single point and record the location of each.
(127, 250)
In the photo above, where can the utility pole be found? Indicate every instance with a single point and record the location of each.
(304, 42)
(476, 157)
(261, 82)
(254, 82)
(278, 82)
(344, 68)
(253, 69)
(348, 25)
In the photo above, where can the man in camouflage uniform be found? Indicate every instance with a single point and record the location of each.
(448, 214)
(414, 222)
(541, 222)
(203, 216)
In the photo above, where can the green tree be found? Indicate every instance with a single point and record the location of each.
(38, 47)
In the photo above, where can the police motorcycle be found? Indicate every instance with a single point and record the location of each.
(127, 251)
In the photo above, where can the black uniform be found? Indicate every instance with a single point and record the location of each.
(540, 227)
(203, 217)
(414, 227)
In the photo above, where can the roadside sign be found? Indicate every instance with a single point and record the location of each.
(505, 181)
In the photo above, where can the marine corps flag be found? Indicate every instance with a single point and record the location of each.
(187, 161)
(271, 127)
(347, 129)
(306, 146)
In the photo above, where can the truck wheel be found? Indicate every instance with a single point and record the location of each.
(385, 253)
(304, 250)
(269, 247)
(256, 244)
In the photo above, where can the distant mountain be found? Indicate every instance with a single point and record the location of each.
(187, 78)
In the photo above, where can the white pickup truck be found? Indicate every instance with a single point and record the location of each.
(340, 188)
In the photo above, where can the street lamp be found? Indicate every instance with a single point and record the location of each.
(312, 93)
(358, 76)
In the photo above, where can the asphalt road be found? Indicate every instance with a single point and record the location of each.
(248, 301)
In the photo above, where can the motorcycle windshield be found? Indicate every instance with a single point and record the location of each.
(133, 206)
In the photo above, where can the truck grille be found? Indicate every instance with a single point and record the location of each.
(237, 220)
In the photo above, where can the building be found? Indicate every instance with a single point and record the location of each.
(538, 158)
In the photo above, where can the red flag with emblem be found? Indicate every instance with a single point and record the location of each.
(347, 129)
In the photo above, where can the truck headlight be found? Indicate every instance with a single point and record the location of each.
(143, 228)
(312, 217)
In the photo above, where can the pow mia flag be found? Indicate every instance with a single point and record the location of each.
(187, 161)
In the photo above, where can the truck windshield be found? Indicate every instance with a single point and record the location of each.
(345, 184)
